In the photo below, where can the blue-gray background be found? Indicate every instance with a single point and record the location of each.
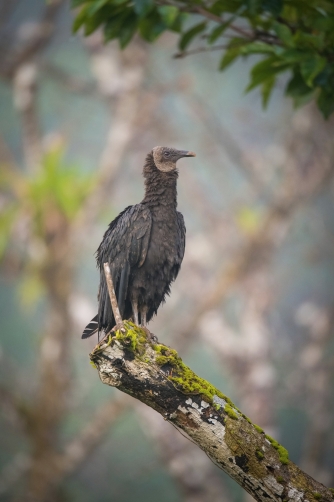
(252, 308)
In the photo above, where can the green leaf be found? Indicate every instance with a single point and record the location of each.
(80, 19)
(188, 36)
(296, 86)
(96, 5)
(325, 79)
(143, 7)
(290, 55)
(152, 26)
(111, 29)
(128, 29)
(257, 48)
(77, 3)
(92, 22)
(265, 70)
(273, 6)
(323, 24)
(222, 6)
(311, 67)
(58, 187)
(267, 87)
(113, 26)
(254, 6)
(326, 103)
(313, 41)
(168, 14)
(299, 101)
(284, 33)
(219, 30)
(178, 23)
(230, 55)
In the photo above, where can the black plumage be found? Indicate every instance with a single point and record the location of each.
(144, 246)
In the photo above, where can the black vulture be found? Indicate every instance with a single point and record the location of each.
(144, 246)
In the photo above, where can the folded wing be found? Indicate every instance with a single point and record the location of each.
(124, 247)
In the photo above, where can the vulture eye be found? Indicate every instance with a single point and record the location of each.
(166, 154)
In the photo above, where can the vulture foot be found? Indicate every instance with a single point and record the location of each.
(150, 336)
(119, 327)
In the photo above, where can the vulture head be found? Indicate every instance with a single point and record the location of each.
(165, 158)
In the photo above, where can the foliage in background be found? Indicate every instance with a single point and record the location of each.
(50, 196)
(291, 36)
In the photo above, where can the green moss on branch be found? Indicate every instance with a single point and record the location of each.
(282, 452)
(187, 381)
(133, 339)
(231, 413)
(184, 379)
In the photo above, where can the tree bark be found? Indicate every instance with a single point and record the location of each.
(154, 374)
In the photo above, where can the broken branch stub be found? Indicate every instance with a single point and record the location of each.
(156, 375)
(112, 296)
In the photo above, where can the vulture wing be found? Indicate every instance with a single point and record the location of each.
(124, 247)
(181, 242)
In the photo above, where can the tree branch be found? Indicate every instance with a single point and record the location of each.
(156, 375)
(125, 102)
(77, 451)
(112, 295)
(25, 100)
(198, 50)
(21, 53)
(218, 19)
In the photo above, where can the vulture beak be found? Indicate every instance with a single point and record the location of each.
(185, 153)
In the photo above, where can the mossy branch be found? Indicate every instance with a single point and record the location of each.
(157, 376)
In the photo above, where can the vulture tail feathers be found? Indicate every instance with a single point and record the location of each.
(91, 328)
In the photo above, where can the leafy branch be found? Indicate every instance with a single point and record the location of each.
(289, 36)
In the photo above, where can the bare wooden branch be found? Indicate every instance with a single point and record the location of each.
(209, 15)
(112, 296)
(126, 104)
(14, 54)
(198, 50)
(25, 100)
(155, 375)
(64, 464)
(70, 82)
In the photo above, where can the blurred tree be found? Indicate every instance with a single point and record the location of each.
(251, 198)
(55, 201)
(288, 35)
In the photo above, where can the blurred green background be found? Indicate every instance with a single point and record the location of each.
(252, 308)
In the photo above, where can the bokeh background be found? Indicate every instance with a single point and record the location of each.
(252, 308)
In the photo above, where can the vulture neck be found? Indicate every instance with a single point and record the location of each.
(160, 187)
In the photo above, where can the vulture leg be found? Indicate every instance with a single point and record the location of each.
(143, 316)
(135, 311)
(150, 335)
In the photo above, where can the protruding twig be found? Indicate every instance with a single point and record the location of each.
(183, 54)
(112, 296)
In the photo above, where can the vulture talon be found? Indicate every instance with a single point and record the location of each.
(151, 336)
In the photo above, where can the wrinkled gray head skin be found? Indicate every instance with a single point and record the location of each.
(165, 158)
